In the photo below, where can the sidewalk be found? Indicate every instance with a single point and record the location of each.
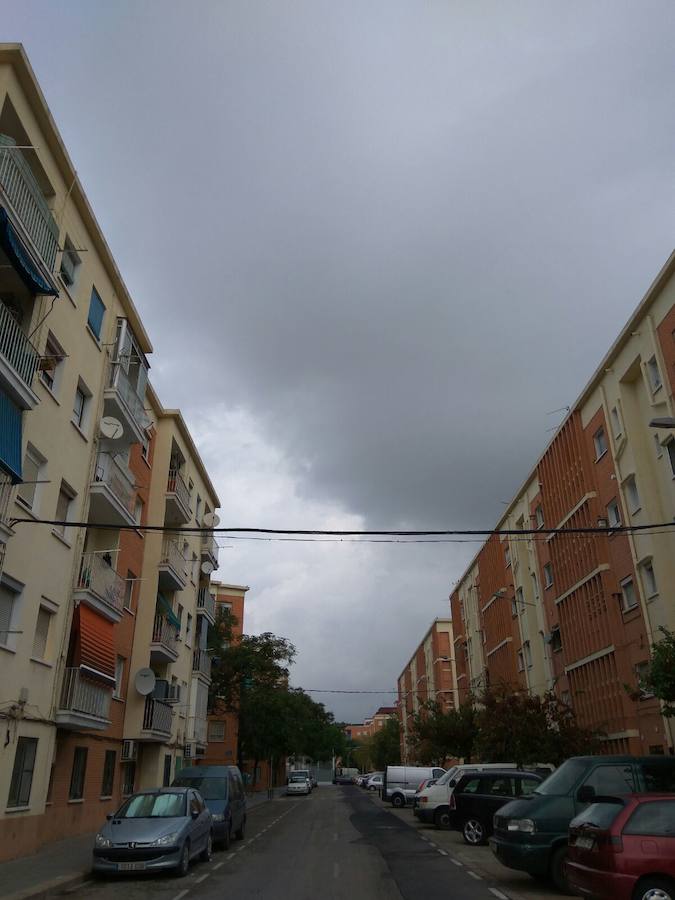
(63, 864)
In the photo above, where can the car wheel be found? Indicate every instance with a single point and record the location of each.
(442, 817)
(557, 869)
(184, 863)
(239, 833)
(207, 852)
(474, 832)
(398, 801)
(655, 889)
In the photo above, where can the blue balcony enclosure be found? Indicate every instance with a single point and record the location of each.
(10, 438)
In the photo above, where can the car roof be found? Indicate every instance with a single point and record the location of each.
(205, 771)
(164, 790)
(490, 773)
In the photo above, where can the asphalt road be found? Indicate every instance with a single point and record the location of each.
(336, 844)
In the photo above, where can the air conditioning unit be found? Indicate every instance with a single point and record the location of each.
(129, 750)
(68, 268)
(187, 751)
(173, 694)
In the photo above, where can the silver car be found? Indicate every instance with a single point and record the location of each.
(153, 830)
(298, 783)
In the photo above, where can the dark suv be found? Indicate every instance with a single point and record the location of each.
(477, 797)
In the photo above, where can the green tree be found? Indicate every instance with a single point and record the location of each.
(385, 745)
(437, 734)
(659, 678)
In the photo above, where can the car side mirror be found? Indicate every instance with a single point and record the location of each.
(586, 793)
(195, 813)
(110, 817)
(452, 782)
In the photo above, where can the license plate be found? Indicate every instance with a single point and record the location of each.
(130, 866)
(586, 843)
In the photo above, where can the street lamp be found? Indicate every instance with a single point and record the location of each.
(663, 422)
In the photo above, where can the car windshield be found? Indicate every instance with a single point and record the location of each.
(444, 779)
(209, 788)
(153, 806)
(561, 782)
(598, 815)
(298, 778)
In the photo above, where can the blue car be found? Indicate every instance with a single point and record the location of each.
(222, 788)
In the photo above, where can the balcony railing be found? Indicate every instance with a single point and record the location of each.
(201, 662)
(98, 576)
(172, 556)
(157, 716)
(6, 487)
(163, 632)
(176, 485)
(28, 202)
(210, 545)
(119, 381)
(116, 478)
(83, 696)
(206, 602)
(16, 348)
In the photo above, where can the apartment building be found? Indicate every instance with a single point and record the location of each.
(579, 613)
(369, 727)
(430, 675)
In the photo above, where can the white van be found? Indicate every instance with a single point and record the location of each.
(436, 797)
(400, 783)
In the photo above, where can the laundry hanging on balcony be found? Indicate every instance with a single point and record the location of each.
(10, 438)
(94, 645)
(21, 259)
(164, 609)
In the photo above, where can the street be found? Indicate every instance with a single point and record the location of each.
(337, 843)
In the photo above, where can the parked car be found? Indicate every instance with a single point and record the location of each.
(374, 783)
(154, 830)
(432, 799)
(343, 779)
(477, 796)
(304, 772)
(400, 783)
(624, 849)
(531, 834)
(363, 779)
(298, 784)
(222, 788)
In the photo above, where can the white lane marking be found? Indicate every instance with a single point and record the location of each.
(425, 839)
(202, 878)
(473, 875)
(182, 894)
(498, 894)
(218, 865)
(336, 870)
(442, 852)
(456, 861)
(335, 835)
(231, 856)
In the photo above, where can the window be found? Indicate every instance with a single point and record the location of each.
(138, 511)
(216, 732)
(556, 640)
(96, 313)
(179, 614)
(632, 494)
(527, 786)
(33, 471)
(108, 773)
(507, 556)
(629, 598)
(472, 786)
(539, 517)
(613, 514)
(166, 778)
(671, 455)
(617, 427)
(22, 773)
(521, 661)
(128, 778)
(535, 585)
(198, 509)
(70, 262)
(548, 575)
(119, 675)
(41, 637)
(191, 487)
(51, 364)
(657, 446)
(195, 568)
(129, 585)
(655, 817)
(654, 374)
(600, 441)
(81, 405)
(76, 791)
(520, 600)
(609, 780)
(188, 629)
(527, 653)
(64, 508)
(9, 598)
(145, 447)
(649, 579)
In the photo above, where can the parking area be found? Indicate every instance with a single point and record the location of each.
(515, 885)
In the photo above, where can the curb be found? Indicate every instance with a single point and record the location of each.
(45, 888)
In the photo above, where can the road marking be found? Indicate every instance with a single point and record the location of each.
(473, 875)
(425, 839)
(442, 852)
(456, 861)
(498, 894)
(202, 878)
(336, 870)
(182, 894)
(231, 856)
(218, 865)
(335, 835)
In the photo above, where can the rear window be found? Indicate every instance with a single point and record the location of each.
(655, 818)
(209, 788)
(659, 776)
(599, 815)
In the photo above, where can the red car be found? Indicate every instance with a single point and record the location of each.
(624, 848)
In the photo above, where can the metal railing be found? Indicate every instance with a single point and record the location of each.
(81, 695)
(157, 716)
(120, 382)
(27, 201)
(176, 485)
(210, 545)
(201, 662)
(119, 481)
(6, 487)
(206, 602)
(163, 632)
(172, 556)
(16, 348)
(98, 576)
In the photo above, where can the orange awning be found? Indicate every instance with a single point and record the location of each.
(95, 650)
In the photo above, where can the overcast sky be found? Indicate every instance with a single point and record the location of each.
(374, 244)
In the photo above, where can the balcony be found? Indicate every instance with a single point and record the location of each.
(122, 402)
(177, 499)
(99, 586)
(201, 664)
(210, 548)
(83, 704)
(6, 488)
(112, 493)
(156, 720)
(24, 200)
(173, 574)
(206, 604)
(163, 647)
(18, 361)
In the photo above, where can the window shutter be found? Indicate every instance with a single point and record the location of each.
(6, 607)
(96, 311)
(41, 633)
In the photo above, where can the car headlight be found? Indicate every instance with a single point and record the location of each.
(166, 839)
(218, 817)
(101, 841)
(524, 825)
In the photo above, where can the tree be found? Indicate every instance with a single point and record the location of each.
(438, 734)
(659, 678)
(385, 745)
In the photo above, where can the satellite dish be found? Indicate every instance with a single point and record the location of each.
(145, 681)
(111, 428)
(211, 520)
(207, 567)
